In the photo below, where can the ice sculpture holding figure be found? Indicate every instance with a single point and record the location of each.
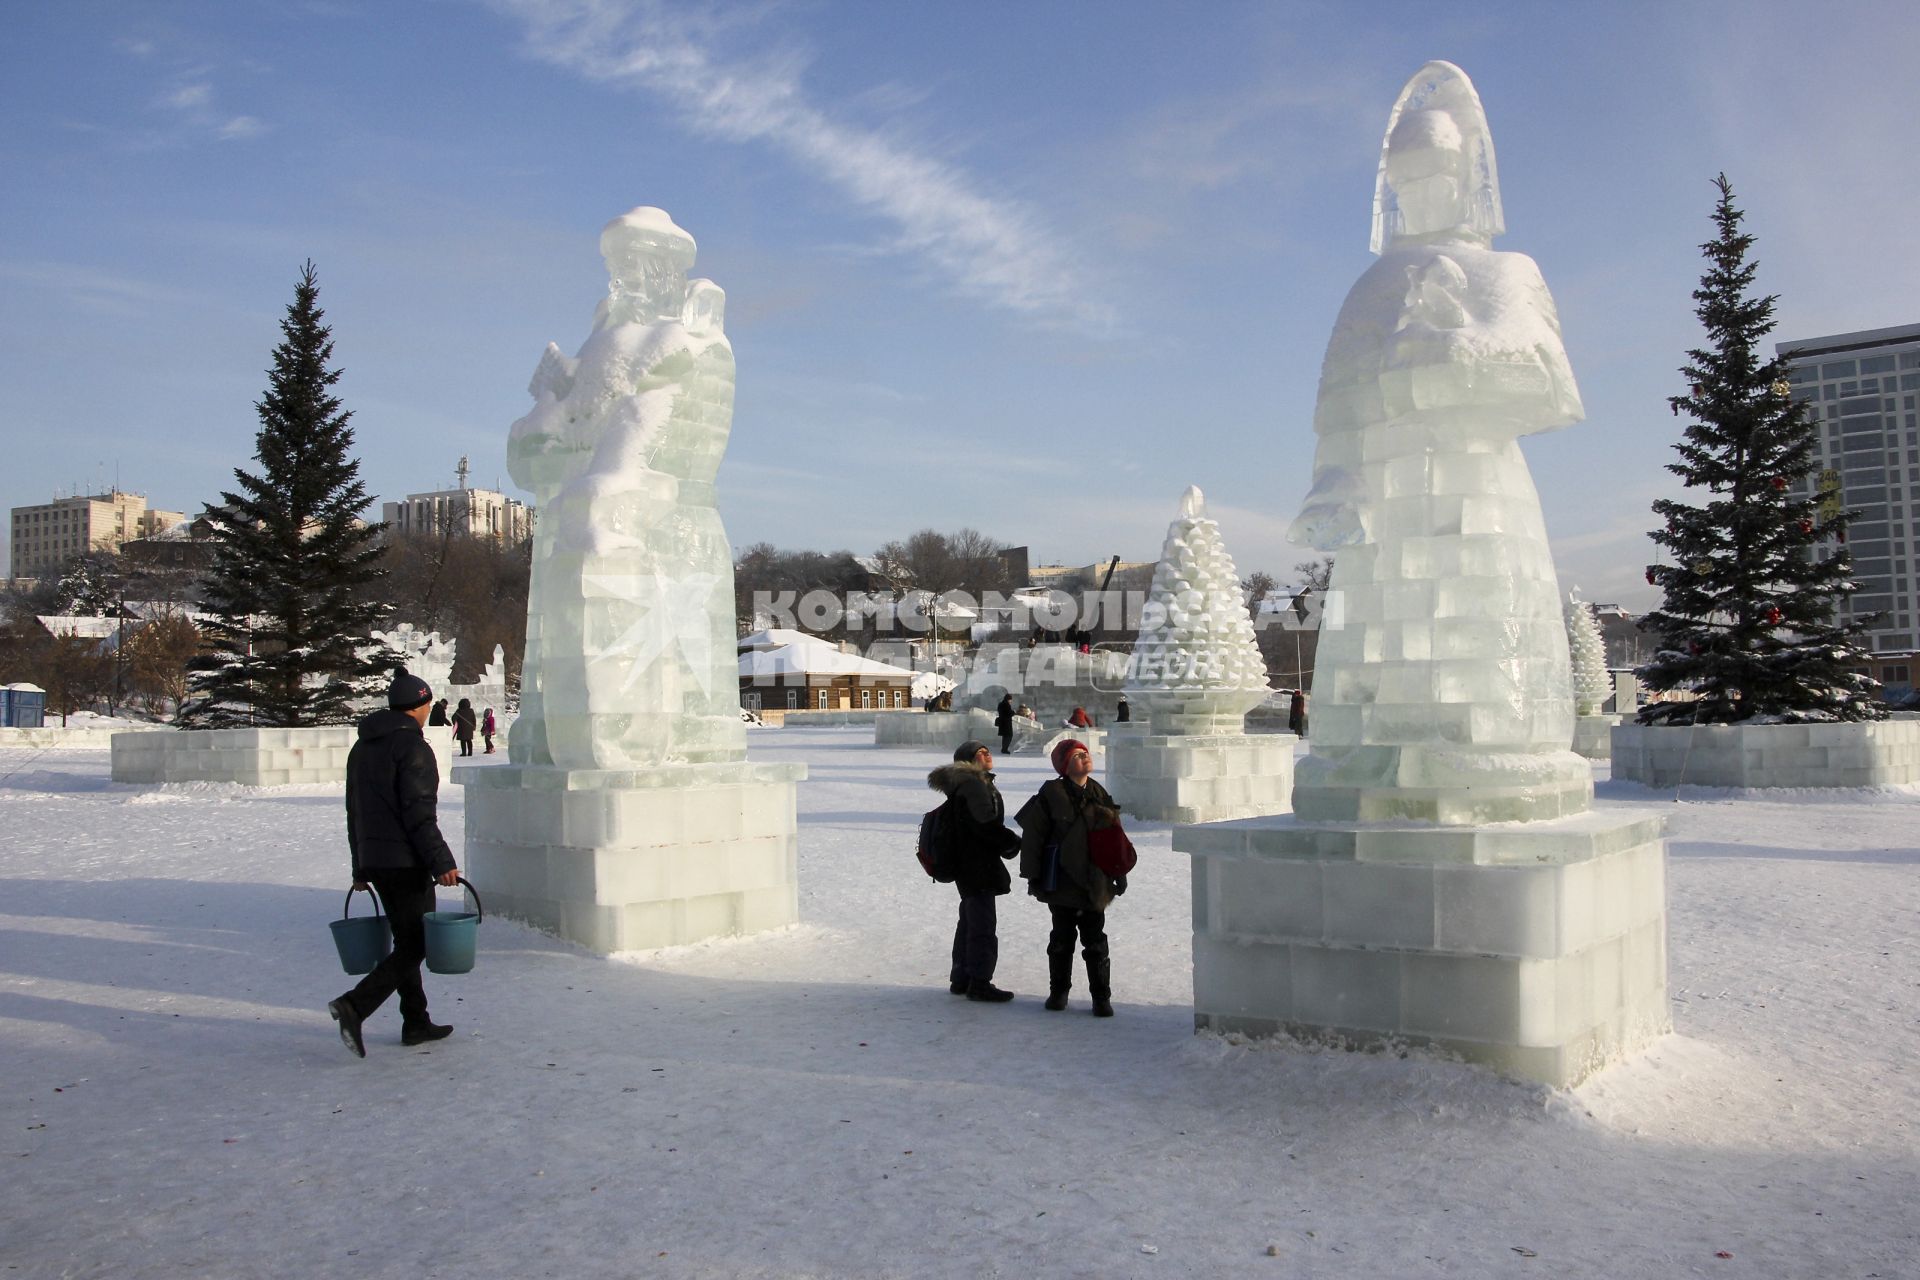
(1443, 696)
(630, 661)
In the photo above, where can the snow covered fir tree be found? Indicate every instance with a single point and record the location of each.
(1748, 620)
(288, 640)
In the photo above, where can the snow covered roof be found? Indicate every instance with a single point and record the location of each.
(86, 628)
(774, 637)
(815, 657)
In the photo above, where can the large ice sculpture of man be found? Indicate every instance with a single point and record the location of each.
(630, 659)
(1443, 695)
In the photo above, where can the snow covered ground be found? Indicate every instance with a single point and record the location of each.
(813, 1102)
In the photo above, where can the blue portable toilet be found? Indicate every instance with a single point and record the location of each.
(23, 706)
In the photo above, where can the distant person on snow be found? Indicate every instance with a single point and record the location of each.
(393, 837)
(488, 727)
(1003, 723)
(464, 723)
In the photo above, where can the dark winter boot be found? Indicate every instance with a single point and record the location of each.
(1059, 979)
(1100, 983)
(986, 992)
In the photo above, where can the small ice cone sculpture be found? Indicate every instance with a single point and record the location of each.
(1196, 667)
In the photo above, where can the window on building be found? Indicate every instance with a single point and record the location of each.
(1838, 369)
(1877, 364)
(823, 699)
(793, 699)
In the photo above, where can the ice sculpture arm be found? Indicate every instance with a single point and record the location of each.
(1478, 345)
(1331, 517)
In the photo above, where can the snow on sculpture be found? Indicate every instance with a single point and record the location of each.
(423, 653)
(1196, 667)
(1445, 696)
(630, 658)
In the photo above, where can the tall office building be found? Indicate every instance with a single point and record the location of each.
(1862, 387)
(45, 537)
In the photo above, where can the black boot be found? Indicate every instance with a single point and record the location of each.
(982, 990)
(1059, 979)
(1100, 983)
(343, 1013)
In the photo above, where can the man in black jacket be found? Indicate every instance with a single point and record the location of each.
(393, 833)
(978, 843)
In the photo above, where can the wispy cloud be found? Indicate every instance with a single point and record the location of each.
(990, 248)
(89, 288)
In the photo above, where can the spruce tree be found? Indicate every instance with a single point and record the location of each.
(288, 587)
(1748, 619)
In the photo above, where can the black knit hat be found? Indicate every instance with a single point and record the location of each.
(407, 692)
(967, 750)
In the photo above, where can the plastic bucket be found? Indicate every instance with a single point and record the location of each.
(362, 943)
(451, 936)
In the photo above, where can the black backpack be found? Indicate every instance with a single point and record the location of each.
(935, 847)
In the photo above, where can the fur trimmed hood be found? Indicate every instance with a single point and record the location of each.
(948, 777)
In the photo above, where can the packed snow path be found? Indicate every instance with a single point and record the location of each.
(814, 1103)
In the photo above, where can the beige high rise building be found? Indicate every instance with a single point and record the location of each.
(47, 536)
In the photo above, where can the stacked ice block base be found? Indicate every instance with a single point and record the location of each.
(1536, 948)
(1199, 777)
(628, 860)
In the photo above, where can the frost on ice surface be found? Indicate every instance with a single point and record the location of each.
(1452, 647)
(629, 658)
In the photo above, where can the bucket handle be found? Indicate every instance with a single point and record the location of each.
(346, 908)
(479, 912)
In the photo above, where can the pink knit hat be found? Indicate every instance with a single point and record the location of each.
(1065, 748)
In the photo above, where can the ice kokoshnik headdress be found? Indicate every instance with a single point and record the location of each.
(1442, 87)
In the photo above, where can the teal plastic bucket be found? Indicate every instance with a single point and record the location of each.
(362, 943)
(451, 936)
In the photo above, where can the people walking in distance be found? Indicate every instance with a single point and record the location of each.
(437, 718)
(394, 840)
(980, 843)
(464, 723)
(488, 727)
(1297, 714)
(1079, 719)
(1055, 864)
(1003, 723)
(1123, 712)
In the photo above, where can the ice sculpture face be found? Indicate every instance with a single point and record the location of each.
(1196, 667)
(630, 659)
(1444, 694)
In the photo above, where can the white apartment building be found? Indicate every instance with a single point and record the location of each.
(479, 513)
(45, 537)
(1862, 387)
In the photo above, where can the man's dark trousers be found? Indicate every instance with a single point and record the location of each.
(406, 896)
(976, 940)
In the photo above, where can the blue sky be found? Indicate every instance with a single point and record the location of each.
(1029, 268)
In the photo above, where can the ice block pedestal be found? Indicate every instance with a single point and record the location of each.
(627, 860)
(1539, 948)
(1199, 777)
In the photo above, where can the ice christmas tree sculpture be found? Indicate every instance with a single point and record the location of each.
(1589, 658)
(1747, 623)
(1196, 667)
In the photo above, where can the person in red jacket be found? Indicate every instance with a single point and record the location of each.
(393, 836)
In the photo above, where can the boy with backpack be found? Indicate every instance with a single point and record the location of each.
(974, 842)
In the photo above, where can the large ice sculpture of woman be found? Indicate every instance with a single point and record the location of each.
(1441, 690)
(630, 658)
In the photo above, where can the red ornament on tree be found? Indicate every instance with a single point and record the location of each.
(1773, 616)
(1693, 647)
(1806, 526)
(1779, 482)
(1650, 581)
